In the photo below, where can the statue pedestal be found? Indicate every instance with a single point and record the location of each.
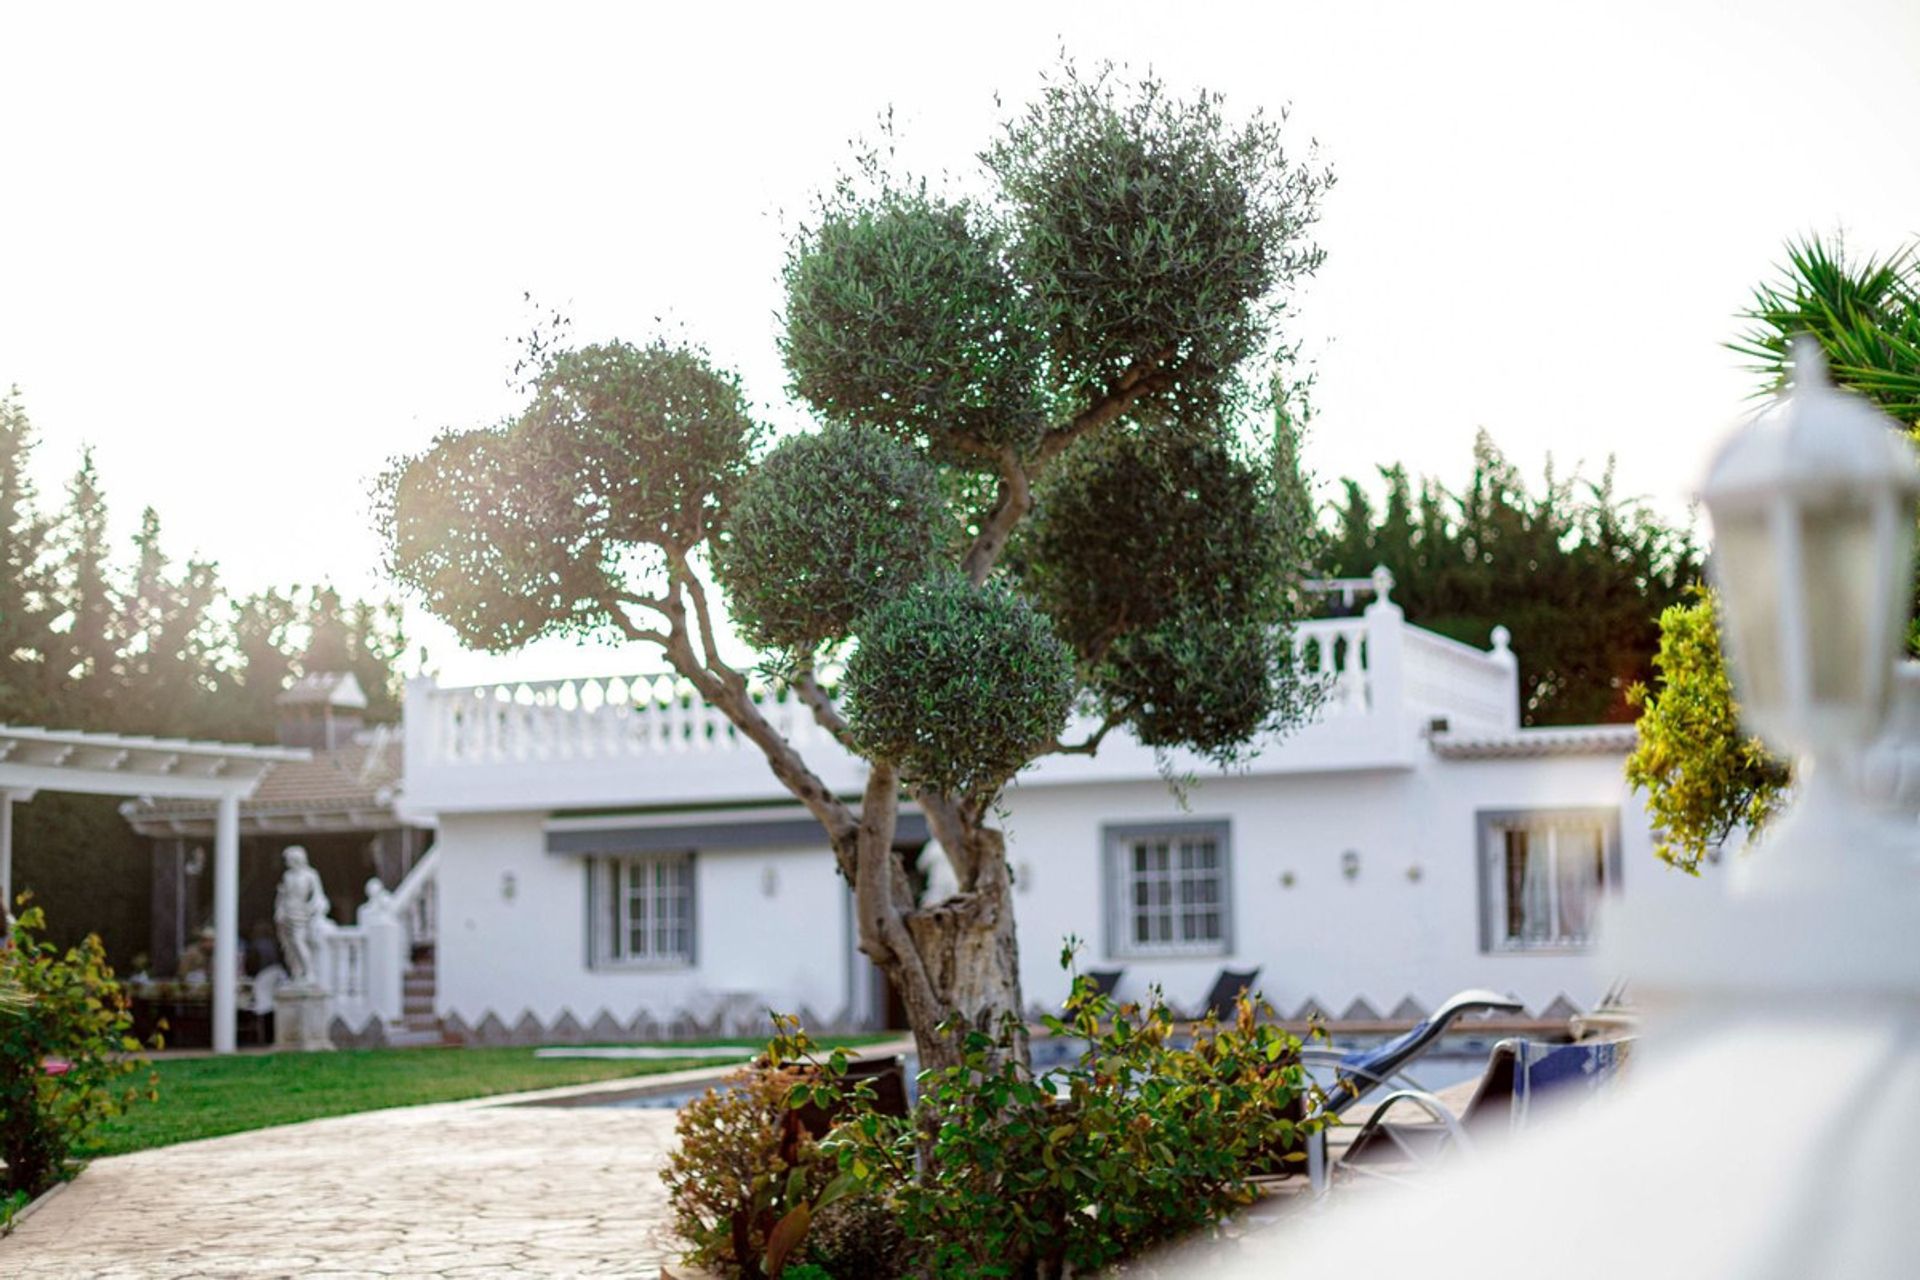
(302, 1016)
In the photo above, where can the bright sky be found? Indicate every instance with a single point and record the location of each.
(248, 255)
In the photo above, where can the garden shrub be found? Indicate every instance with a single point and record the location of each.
(747, 1177)
(66, 1056)
(1000, 1173)
(858, 1237)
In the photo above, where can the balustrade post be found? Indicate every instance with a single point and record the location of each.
(1384, 668)
(1502, 656)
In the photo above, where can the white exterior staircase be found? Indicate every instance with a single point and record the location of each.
(384, 964)
(418, 1023)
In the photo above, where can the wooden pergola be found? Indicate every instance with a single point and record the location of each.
(33, 760)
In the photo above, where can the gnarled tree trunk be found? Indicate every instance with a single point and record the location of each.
(956, 963)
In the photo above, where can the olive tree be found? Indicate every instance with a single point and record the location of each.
(1032, 489)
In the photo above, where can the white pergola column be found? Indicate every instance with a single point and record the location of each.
(6, 858)
(226, 919)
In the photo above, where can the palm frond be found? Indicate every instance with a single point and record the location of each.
(1865, 312)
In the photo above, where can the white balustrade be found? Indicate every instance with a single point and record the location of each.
(1333, 651)
(1376, 674)
(343, 971)
(595, 718)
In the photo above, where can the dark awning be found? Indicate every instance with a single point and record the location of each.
(763, 834)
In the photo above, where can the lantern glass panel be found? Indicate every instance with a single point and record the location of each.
(1845, 605)
(1748, 573)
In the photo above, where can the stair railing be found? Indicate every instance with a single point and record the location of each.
(394, 924)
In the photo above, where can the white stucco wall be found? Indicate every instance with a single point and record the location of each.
(528, 953)
(1381, 936)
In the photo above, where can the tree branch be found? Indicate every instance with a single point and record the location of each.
(950, 829)
(1015, 497)
(883, 930)
(1141, 378)
(680, 571)
(657, 604)
(725, 690)
(1087, 746)
(825, 714)
(628, 627)
(1015, 500)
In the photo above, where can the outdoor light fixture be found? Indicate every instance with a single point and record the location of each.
(1763, 1127)
(1813, 554)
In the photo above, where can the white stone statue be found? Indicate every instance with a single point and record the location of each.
(298, 910)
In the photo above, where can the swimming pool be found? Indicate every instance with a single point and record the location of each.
(1454, 1060)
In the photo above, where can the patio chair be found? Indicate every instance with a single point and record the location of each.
(1227, 988)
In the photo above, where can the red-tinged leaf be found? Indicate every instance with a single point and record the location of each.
(786, 1237)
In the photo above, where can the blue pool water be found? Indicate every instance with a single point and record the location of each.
(1454, 1060)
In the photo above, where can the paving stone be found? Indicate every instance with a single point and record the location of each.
(467, 1190)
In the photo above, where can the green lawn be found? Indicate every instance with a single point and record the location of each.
(206, 1097)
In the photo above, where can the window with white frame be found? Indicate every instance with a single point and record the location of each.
(642, 909)
(1543, 875)
(1167, 889)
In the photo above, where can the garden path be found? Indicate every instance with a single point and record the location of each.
(461, 1189)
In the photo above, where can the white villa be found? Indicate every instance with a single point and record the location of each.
(611, 862)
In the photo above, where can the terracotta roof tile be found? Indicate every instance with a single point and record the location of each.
(363, 775)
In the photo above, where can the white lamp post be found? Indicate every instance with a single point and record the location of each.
(1769, 1124)
(1813, 516)
(1813, 543)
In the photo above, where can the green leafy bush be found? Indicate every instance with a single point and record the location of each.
(1704, 775)
(1143, 1141)
(861, 1236)
(65, 1056)
(747, 1177)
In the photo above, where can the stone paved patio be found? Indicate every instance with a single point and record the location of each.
(465, 1189)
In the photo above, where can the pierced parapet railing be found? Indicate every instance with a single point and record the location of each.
(617, 717)
(597, 718)
(1335, 651)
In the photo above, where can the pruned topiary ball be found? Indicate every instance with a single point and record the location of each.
(828, 527)
(1162, 558)
(958, 685)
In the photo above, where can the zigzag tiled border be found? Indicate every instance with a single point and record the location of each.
(729, 1019)
(1361, 1010)
(741, 1016)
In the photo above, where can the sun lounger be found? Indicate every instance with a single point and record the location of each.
(1359, 1073)
(1521, 1075)
(1362, 1071)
